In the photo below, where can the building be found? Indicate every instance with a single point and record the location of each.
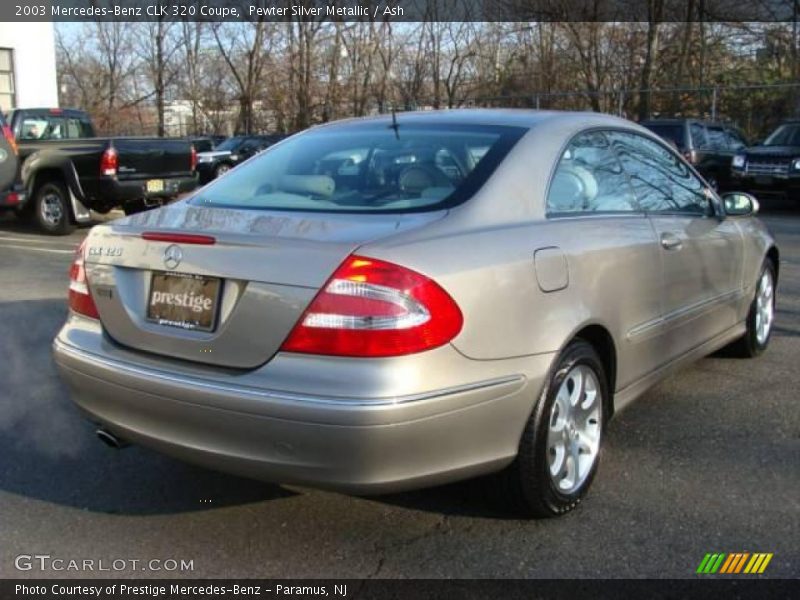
(27, 65)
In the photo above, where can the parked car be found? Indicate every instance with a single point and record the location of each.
(205, 143)
(773, 167)
(11, 195)
(66, 170)
(230, 153)
(707, 145)
(467, 292)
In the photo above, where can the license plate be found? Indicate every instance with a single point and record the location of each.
(764, 179)
(183, 300)
(155, 186)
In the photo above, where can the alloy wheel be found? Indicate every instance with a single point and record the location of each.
(765, 306)
(573, 437)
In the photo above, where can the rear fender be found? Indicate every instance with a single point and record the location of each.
(51, 166)
(40, 162)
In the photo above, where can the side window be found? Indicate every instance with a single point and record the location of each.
(661, 181)
(717, 138)
(589, 178)
(735, 140)
(698, 133)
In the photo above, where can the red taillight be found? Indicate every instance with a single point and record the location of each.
(373, 308)
(109, 162)
(80, 298)
(179, 238)
(12, 199)
(12, 141)
(194, 159)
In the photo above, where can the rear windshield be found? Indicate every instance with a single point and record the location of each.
(785, 135)
(367, 168)
(671, 132)
(53, 127)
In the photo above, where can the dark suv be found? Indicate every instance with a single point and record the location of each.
(230, 153)
(707, 145)
(773, 167)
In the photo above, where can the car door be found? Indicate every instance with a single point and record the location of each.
(611, 251)
(248, 149)
(719, 162)
(701, 253)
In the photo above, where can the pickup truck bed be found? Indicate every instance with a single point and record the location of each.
(65, 178)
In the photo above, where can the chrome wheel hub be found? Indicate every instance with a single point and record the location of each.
(765, 307)
(573, 436)
(51, 210)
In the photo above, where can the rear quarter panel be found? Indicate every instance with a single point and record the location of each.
(482, 253)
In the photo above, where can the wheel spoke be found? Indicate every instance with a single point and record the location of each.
(578, 389)
(575, 453)
(575, 425)
(558, 456)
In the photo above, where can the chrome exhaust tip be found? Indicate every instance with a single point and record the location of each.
(110, 440)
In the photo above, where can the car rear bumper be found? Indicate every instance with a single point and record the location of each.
(119, 191)
(353, 444)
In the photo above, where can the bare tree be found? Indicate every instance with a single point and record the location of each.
(243, 47)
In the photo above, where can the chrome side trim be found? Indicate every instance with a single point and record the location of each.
(623, 397)
(688, 312)
(341, 402)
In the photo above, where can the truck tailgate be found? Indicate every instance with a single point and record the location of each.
(145, 158)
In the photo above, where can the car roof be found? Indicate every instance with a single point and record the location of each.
(74, 112)
(679, 121)
(508, 117)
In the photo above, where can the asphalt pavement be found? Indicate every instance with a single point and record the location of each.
(707, 461)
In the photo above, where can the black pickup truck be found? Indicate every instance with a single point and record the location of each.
(66, 170)
(771, 169)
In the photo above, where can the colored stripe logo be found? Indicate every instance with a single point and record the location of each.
(734, 563)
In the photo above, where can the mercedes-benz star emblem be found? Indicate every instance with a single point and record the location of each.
(172, 257)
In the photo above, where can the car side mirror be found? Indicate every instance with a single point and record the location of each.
(739, 204)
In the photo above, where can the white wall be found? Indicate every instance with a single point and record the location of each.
(34, 62)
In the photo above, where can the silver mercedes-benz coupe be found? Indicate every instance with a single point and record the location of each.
(401, 301)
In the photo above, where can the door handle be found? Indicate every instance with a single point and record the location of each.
(669, 241)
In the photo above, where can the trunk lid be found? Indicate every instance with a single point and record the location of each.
(143, 158)
(264, 268)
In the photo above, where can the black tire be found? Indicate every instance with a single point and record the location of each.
(526, 486)
(134, 206)
(221, 169)
(749, 346)
(51, 209)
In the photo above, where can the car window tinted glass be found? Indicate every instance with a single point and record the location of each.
(662, 182)
(367, 168)
(698, 133)
(589, 178)
(717, 138)
(77, 128)
(674, 133)
(785, 135)
(735, 140)
(231, 144)
(34, 128)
